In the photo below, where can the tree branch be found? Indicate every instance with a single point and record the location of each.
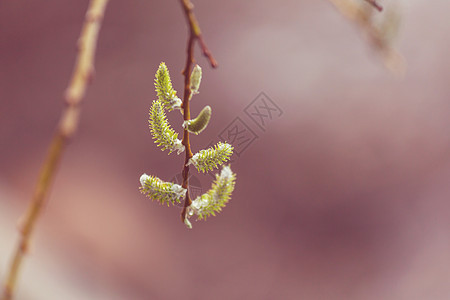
(194, 35)
(82, 75)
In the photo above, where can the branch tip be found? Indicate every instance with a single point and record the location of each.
(375, 4)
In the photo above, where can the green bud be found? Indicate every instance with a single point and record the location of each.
(196, 78)
(198, 124)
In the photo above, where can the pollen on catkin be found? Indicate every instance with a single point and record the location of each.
(208, 159)
(216, 198)
(162, 133)
(161, 191)
(163, 86)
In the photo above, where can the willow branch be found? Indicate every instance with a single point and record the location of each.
(194, 35)
(82, 75)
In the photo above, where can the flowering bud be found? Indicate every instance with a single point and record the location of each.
(164, 192)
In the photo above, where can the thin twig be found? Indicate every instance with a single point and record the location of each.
(194, 35)
(363, 17)
(82, 75)
(375, 4)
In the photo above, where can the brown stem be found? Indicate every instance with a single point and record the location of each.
(187, 116)
(194, 35)
(82, 74)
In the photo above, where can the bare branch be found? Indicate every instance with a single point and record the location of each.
(82, 75)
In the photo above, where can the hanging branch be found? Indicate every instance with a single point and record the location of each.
(82, 75)
(194, 35)
(215, 199)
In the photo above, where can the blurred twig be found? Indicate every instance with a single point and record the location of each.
(375, 4)
(380, 34)
(82, 75)
(194, 35)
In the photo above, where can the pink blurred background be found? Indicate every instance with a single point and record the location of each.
(344, 196)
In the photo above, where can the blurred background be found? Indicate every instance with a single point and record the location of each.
(342, 194)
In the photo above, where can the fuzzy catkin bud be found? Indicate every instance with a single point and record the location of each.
(208, 159)
(164, 192)
(162, 133)
(198, 124)
(196, 78)
(163, 86)
(216, 198)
